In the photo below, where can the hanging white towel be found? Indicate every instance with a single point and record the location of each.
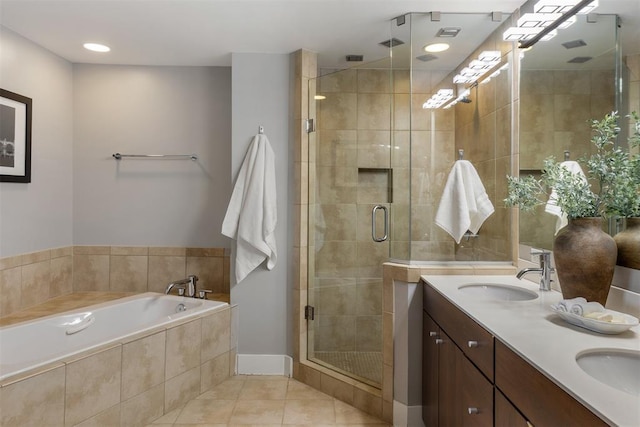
(551, 206)
(465, 204)
(252, 212)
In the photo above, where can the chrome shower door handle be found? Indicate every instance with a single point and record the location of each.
(373, 223)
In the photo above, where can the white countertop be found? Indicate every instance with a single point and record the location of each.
(541, 337)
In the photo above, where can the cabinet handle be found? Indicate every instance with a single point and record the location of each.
(433, 334)
(473, 411)
(472, 344)
(439, 340)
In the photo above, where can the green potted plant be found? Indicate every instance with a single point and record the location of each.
(585, 256)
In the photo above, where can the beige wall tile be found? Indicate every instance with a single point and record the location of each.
(61, 276)
(143, 408)
(339, 111)
(344, 81)
(90, 272)
(36, 401)
(336, 300)
(179, 390)
(335, 333)
(92, 250)
(163, 270)
(369, 333)
(374, 81)
(10, 290)
(369, 297)
(167, 251)
(336, 388)
(183, 348)
(35, 283)
(130, 250)
(109, 417)
(128, 273)
(143, 364)
(92, 385)
(374, 111)
(61, 252)
(215, 371)
(36, 257)
(209, 271)
(10, 262)
(367, 402)
(216, 335)
(205, 252)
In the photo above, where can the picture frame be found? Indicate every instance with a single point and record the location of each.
(15, 137)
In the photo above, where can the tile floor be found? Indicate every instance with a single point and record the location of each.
(265, 401)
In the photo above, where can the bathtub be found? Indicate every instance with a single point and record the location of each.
(29, 345)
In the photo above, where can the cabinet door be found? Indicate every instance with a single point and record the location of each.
(506, 414)
(450, 379)
(431, 333)
(476, 396)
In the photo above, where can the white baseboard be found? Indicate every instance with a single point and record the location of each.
(406, 416)
(264, 364)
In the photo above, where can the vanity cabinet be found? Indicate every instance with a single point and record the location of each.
(455, 392)
(460, 386)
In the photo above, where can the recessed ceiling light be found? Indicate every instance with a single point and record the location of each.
(319, 97)
(96, 47)
(436, 47)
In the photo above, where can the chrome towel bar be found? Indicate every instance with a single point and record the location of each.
(193, 157)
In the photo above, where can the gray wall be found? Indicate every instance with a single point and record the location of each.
(38, 215)
(151, 110)
(260, 88)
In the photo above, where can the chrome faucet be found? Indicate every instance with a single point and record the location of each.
(188, 284)
(545, 269)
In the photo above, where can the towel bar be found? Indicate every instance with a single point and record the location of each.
(193, 157)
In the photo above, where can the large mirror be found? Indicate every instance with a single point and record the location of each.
(564, 83)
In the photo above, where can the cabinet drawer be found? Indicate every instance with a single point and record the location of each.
(475, 341)
(536, 396)
(506, 415)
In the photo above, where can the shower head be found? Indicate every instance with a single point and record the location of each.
(466, 100)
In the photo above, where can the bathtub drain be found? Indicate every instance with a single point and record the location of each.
(180, 307)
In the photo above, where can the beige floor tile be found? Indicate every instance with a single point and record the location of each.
(229, 389)
(263, 389)
(346, 414)
(309, 412)
(206, 411)
(298, 391)
(258, 412)
(169, 417)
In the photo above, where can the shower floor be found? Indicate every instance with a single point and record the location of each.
(366, 365)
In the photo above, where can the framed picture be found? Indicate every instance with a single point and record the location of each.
(15, 137)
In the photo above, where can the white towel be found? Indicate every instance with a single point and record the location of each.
(252, 212)
(465, 204)
(551, 206)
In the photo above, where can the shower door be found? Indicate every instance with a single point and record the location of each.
(351, 192)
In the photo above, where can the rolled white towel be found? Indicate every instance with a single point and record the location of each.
(586, 308)
(565, 304)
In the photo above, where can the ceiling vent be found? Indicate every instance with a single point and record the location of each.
(355, 58)
(392, 43)
(580, 59)
(426, 58)
(573, 44)
(448, 32)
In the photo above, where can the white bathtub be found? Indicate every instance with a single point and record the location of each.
(32, 344)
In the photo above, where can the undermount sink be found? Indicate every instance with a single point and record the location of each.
(619, 369)
(498, 291)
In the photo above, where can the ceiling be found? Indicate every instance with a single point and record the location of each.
(205, 32)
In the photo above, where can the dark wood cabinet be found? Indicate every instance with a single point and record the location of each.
(460, 386)
(455, 392)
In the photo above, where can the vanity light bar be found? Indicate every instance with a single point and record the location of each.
(486, 61)
(517, 34)
(562, 6)
(542, 20)
(438, 99)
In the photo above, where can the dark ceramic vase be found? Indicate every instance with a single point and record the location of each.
(585, 259)
(628, 242)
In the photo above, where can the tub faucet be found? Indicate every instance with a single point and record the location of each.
(189, 284)
(545, 269)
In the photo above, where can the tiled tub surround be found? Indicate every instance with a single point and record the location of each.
(30, 279)
(131, 381)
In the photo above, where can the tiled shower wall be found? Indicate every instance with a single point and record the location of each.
(30, 279)
(556, 107)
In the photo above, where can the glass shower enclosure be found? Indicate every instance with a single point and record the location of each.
(378, 162)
